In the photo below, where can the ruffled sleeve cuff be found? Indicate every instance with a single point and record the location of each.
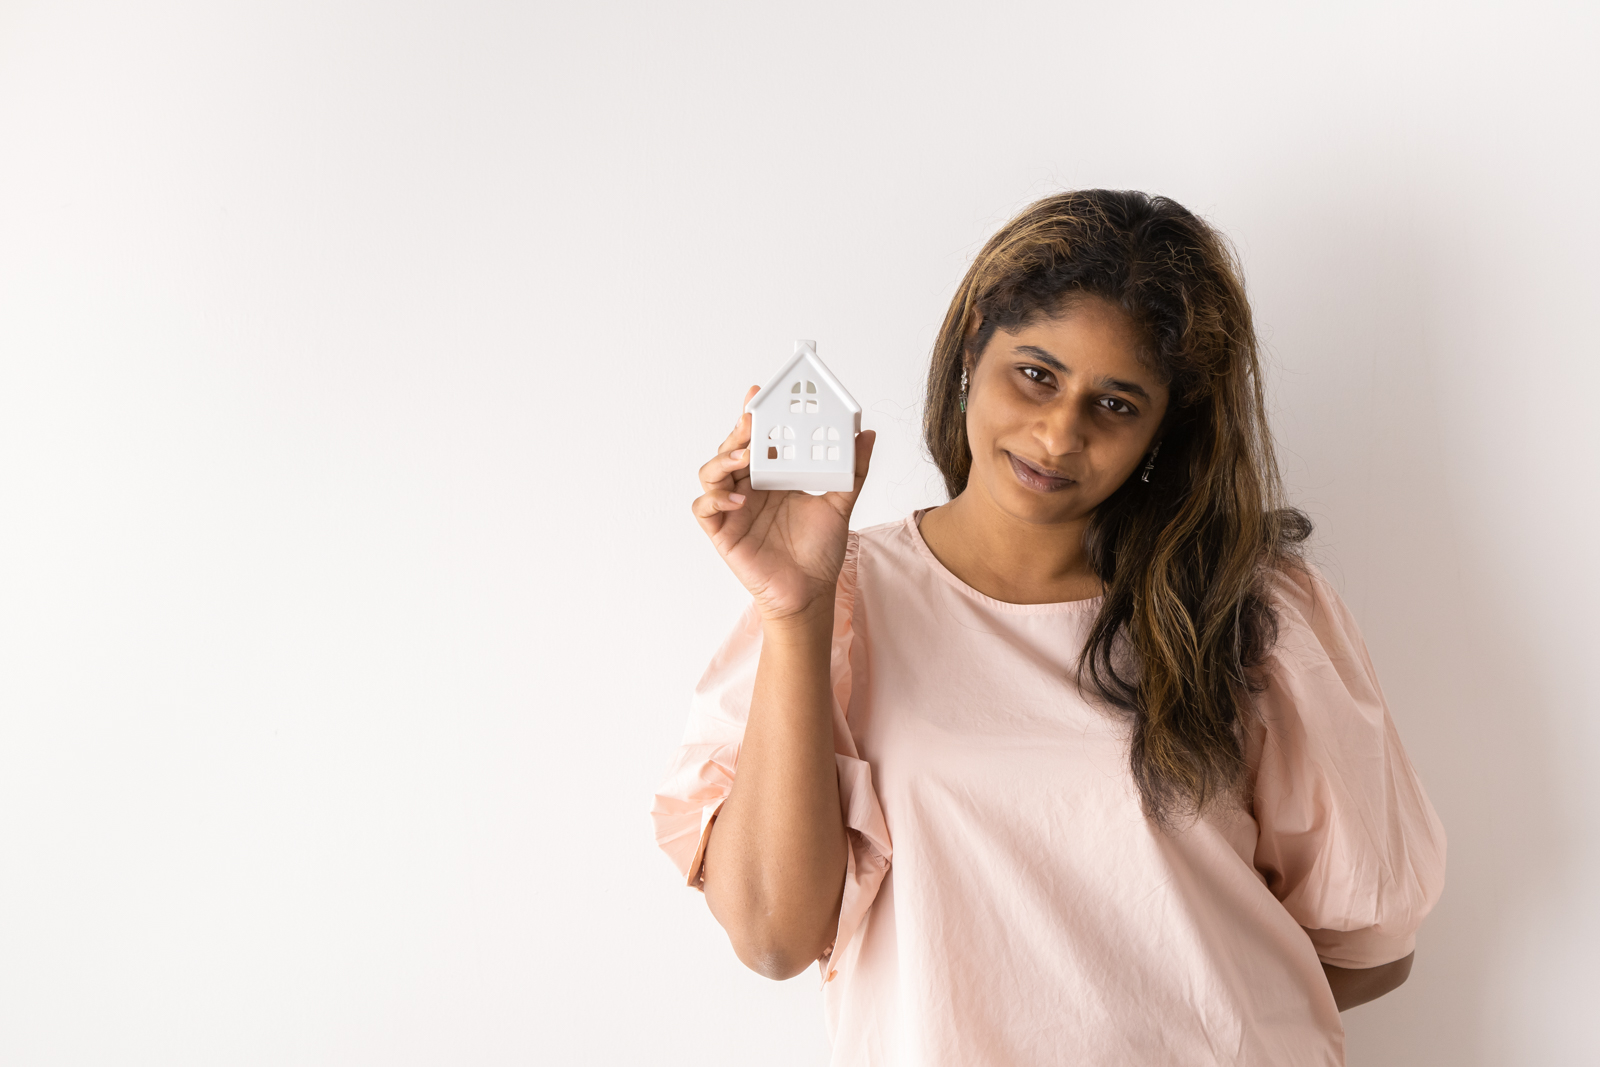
(695, 791)
(1360, 949)
(699, 780)
(866, 862)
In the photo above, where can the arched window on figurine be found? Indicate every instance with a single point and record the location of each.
(778, 435)
(803, 398)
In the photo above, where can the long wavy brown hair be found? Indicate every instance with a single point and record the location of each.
(1186, 621)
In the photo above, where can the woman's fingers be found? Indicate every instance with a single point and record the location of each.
(719, 478)
(718, 470)
(738, 437)
(709, 507)
(733, 453)
(711, 503)
(740, 434)
(864, 442)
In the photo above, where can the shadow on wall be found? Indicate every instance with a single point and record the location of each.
(1347, 302)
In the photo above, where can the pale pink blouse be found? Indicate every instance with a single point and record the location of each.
(1007, 903)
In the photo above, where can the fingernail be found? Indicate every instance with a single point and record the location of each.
(737, 498)
(737, 453)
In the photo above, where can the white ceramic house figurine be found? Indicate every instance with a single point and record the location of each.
(803, 428)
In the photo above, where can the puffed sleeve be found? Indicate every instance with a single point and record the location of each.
(702, 770)
(1348, 841)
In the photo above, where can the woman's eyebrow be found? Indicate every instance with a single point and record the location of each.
(1115, 385)
(1043, 357)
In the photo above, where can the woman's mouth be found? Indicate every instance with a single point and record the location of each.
(1036, 479)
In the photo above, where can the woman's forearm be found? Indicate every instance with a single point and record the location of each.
(1352, 986)
(775, 862)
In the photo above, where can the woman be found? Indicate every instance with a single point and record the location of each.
(1087, 765)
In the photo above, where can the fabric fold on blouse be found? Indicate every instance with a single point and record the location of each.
(701, 774)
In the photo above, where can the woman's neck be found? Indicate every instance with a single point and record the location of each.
(1007, 558)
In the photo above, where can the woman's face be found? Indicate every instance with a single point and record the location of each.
(1061, 413)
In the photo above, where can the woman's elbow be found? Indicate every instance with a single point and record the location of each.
(773, 949)
(778, 963)
(774, 943)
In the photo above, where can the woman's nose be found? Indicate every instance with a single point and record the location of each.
(1060, 432)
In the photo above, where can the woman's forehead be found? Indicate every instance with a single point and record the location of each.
(1100, 341)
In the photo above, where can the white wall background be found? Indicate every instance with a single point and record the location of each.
(356, 360)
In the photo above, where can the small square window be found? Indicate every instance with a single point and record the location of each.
(833, 451)
(788, 451)
(818, 450)
(772, 451)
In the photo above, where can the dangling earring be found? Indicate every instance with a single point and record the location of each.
(1150, 464)
(963, 389)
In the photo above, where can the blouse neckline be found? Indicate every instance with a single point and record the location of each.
(913, 524)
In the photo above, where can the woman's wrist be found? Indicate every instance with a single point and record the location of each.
(800, 627)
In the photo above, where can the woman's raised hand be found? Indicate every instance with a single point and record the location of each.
(785, 546)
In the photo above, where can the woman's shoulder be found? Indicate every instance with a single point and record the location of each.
(1292, 583)
(1298, 585)
(893, 533)
(897, 538)
(888, 548)
(1312, 620)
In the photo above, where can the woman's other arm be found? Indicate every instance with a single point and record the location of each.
(1352, 987)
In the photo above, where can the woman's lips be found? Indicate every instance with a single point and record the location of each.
(1034, 478)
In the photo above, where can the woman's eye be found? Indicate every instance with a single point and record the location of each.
(1121, 407)
(1037, 375)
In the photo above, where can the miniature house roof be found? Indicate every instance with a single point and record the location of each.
(804, 352)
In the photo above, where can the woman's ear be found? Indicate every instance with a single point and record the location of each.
(974, 324)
